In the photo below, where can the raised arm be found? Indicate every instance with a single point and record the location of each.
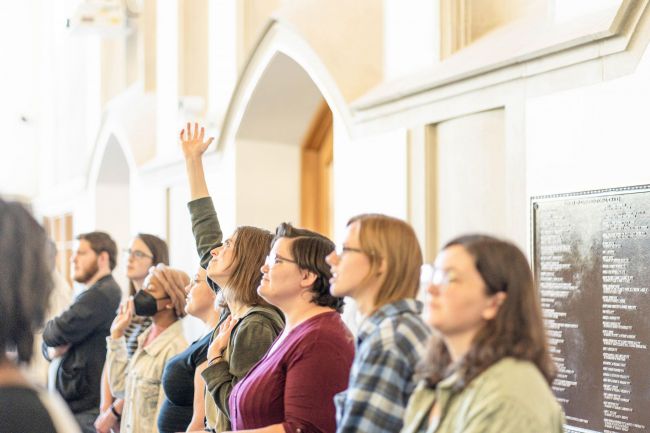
(205, 224)
(194, 146)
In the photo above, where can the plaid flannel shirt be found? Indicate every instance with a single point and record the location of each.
(389, 344)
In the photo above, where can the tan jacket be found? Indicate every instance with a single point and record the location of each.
(138, 380)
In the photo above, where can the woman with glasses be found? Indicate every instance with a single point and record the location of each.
(250, 324)
(145, 251)
(378, 266)
(488, 368)
(292, 388)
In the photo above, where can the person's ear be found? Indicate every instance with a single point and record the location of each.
(493, 304)
(103, 259)
(308, 278)
(383, 266)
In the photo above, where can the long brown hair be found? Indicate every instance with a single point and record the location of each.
(251, 247)
(516, 331)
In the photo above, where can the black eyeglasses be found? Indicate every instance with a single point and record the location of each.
(137, 254)
(274, 259)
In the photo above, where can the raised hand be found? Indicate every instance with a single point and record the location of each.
(192, 141)
(123, 319)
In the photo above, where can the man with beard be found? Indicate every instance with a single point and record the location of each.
(78, 335)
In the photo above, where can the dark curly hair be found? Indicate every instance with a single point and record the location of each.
(26, 267)
(309, 250)
(517, 331)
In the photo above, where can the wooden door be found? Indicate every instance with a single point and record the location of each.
(316, 173)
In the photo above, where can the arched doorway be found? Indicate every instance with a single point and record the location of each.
(111, 194)
(316, 173)
(284, 151)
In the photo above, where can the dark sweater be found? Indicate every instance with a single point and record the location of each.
(178, 382)
(85, 326)
(22, 411)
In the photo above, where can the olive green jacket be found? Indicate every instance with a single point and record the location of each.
(511, 396)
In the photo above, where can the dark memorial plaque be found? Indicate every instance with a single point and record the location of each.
(591, 259)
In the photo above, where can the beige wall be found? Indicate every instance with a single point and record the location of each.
(252, 16)
(193, 48)
(471, 175)
(346, 35)
(465, 21)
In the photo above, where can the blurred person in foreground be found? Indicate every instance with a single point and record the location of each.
(488, 369)
(26, 269)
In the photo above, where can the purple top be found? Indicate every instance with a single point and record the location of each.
(296, 384)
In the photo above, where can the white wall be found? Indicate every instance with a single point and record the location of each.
(591, 137)
(411, 36)
(222, 62)
(268, 183)
(471, 186)
(167, 77)
(370, 175)
(112, 217)
(182, 248)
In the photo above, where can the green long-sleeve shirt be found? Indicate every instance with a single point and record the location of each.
(509, 397)
(251, 337)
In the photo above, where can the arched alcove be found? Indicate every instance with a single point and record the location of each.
(111, 195)
(271, 119)
(284, 103)
(272, 141)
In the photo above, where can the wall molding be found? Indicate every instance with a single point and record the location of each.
(597, 48)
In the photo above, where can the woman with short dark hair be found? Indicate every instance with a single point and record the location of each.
(488, 368)
(292, 387)
(26, 266)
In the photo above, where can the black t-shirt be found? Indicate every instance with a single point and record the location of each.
(178, 382)
(22, 411)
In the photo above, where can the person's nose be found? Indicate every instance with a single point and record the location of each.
(332, 259)
(433, 289)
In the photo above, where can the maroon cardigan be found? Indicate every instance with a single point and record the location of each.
(296, 384)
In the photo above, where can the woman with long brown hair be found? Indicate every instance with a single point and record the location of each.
(250, 324)
(488, 367)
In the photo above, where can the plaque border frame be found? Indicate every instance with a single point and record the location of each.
(577, 194)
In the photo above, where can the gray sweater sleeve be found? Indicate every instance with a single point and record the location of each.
(206, 228)
(251, 340)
